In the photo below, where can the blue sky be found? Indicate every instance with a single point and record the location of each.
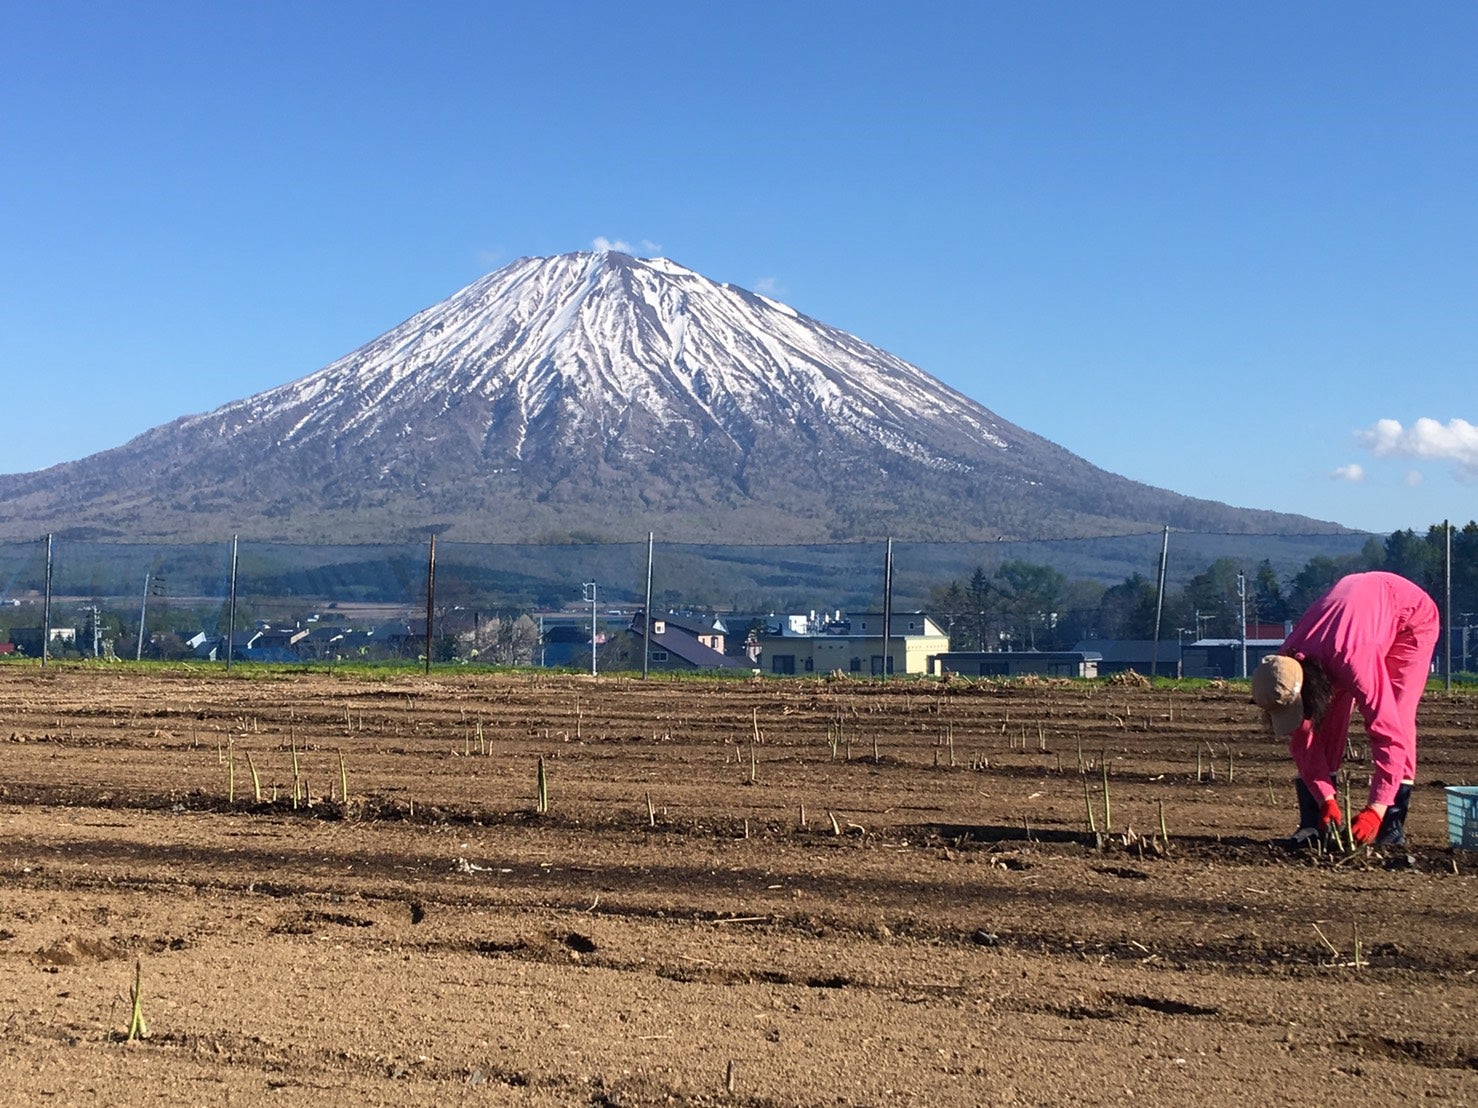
(1226, 248)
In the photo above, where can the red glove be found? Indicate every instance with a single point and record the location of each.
(1331, 816)
(1366, 826)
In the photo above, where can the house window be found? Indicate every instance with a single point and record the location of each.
(856, 665)
(659, 655)
(782, 663)
(810, 665)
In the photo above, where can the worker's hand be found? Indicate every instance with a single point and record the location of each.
(1331, 816)
(1366, 826)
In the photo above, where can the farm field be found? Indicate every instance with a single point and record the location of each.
(756, 892)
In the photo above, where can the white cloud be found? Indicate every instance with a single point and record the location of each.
(1455, 441)
(768, 286)
(1413, 478)
(646, 247)
(1353, 473)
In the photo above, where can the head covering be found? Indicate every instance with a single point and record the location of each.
(1277, 688)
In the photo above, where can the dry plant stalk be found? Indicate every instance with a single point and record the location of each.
(541, 785)
(256, 781)
(1108, 822)
(1327, 944)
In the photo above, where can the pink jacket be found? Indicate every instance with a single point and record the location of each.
(1374, 634)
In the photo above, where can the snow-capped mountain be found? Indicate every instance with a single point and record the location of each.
(605, 396)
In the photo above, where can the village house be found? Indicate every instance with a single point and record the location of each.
(684, 643)
(805, 644)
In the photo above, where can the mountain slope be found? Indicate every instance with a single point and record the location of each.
(600, 395)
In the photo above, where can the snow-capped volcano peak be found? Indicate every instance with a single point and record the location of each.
(599, 339)
(604, 394)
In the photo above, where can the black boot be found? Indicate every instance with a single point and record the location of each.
(1309, 810)
(1393, 825)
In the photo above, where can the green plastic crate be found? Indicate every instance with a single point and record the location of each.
(1462, 816)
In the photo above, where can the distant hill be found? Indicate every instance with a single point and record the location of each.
(598, 396)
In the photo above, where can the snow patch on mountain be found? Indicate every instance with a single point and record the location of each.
(598, 340)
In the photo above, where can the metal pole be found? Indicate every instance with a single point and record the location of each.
(1447, 610)
(1242, 593)
(430, 599)
(887, 607)
(143, 611)
(46, 608)
(646, 631)
(591, 586)
(1159, 603)
(231, 609)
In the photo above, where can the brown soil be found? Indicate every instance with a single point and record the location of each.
(891, 897)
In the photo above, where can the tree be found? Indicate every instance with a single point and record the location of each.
(947, 602)
(964, 610)
(1078, 618)
(1213, 595)
(506, 639)
(1418, 559)
(1027, 597)
(1268, 602)
(1127, 610)
(978, 601)
(1321, 572)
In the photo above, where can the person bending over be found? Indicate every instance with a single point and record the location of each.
(1367, 641)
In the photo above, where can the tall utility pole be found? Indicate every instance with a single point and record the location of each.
(231, 607)
(46, 610)
(143, 611)
(887, 608)
(1159, 603)
(1447, 608)
(430, 599)
(646, 631)
(1242, 595)
(94, 614)
(589, 588)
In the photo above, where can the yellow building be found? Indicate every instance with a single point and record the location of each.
(855, 646)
